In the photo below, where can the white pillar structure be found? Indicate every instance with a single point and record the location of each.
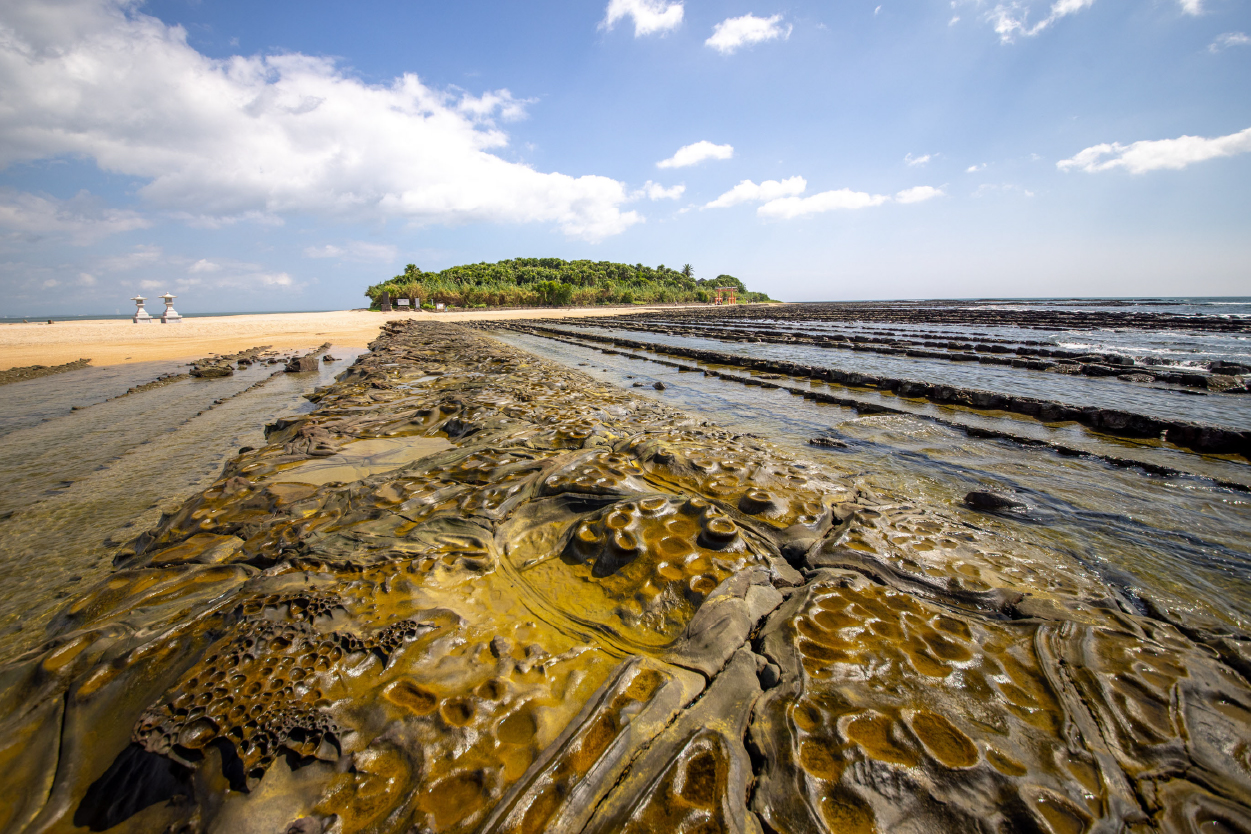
(141, 315)
(170, 314)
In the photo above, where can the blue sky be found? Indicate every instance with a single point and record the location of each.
(282, 155)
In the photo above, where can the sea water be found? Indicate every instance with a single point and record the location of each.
(78, 483)
(1182, 542)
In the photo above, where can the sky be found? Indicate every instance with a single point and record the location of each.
(282, 155)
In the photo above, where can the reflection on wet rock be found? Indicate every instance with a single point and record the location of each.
(472, 591)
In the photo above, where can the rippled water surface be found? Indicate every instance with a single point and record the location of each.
(1230, 410)
(33, 401)
(1179, 543)
(79, 482)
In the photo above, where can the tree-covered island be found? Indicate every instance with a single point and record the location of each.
(552, 282)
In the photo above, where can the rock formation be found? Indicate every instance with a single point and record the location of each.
(473, 591)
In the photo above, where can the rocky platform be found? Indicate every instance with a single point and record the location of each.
(35, 371)
(473, 591)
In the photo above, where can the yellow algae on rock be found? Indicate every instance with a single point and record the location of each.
(472, 591)
(361, 458)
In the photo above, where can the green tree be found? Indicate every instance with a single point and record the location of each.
(524, 282)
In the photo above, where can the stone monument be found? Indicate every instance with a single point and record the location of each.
(170, 315)
(141, 315)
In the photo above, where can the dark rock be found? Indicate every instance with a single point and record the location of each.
(982, 500)
(211, 371)
(1223, 382)
(302, 364)
(724, 620)
(827, 442)
(769, 675)
(659, 386)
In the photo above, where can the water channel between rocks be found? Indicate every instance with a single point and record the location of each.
(79, 482)
(1221, 410)
(1183, 539)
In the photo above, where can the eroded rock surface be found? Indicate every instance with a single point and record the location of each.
(473, 591)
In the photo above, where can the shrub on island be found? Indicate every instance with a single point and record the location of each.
(552, 282)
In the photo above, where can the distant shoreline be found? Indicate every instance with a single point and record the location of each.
(119, 341)
(1094, 300)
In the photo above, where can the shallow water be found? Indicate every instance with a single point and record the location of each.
(1177, 543)
(361, 459)
(1167, 347)
(81, 482)
(33, 401)
(1229, 410)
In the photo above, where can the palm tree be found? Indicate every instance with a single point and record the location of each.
(687, 271)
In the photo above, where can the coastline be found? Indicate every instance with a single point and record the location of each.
(530, 577)
(115, 342)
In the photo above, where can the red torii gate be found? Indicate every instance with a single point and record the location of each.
(725, 295)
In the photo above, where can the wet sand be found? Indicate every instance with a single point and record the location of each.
(114, 342)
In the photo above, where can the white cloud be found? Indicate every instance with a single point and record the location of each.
(327, 251)
(909, 159)
(204, 265)
(918, 193)
(696, 153)
(877, 9)
(206, 275)
(973, 169)
(656, 191)
(484, 107)
(141, 256)
(1229, 39)
(733, 33)
(1010, 19)
(364, 251)
(747, 192)
(267, 136)
(356, 250)
(788, 208)
(649, 16)
(1004, 188)
(86, 279)
(82, 218)
(1153, 155)
(1193, 7)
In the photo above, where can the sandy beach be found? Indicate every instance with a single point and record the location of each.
(115, 342)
